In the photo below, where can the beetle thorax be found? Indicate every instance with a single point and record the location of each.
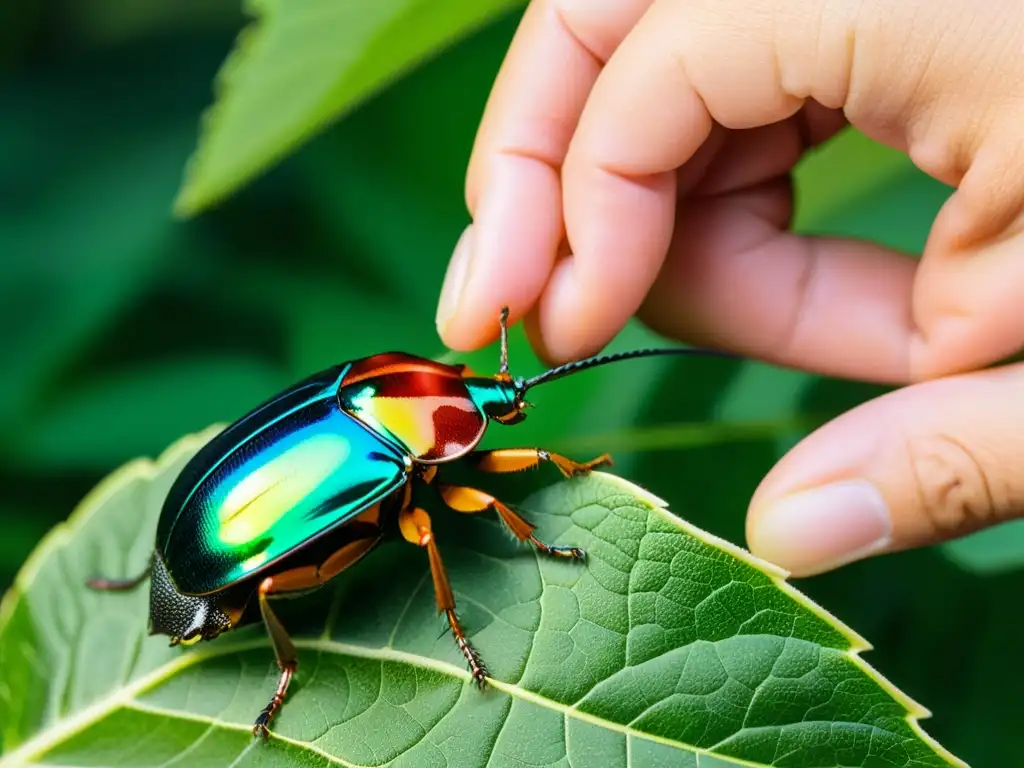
(425, 408)
(186, 619)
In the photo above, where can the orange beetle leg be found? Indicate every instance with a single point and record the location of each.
(470, 500)
(299, 580)
(415, 525)
(506, 460)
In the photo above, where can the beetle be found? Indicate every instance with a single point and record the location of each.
(304, 485)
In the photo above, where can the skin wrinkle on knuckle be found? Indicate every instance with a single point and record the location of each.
(942, 86)
(954, 492)
(943, 133)
(576, 19)
(796, 54)
(811, 52)
(764, 99)
(483, 167)
(836, 42)
(885, 62)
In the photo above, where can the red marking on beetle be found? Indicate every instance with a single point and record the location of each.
(391, 363)
(436, 392)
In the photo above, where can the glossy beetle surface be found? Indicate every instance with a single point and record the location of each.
(300, 488)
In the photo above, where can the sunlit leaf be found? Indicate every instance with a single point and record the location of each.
(390, 177)
(668, 647)
(304, 63)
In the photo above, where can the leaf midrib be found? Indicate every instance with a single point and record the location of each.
(126, 698)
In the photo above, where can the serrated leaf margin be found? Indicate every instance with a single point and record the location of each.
(146, 469)
(780, 577)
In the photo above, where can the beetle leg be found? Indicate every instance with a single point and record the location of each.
(506, 460)
(119, 585)
(284, 648)
(298, 580)
(415, 526)
(464, 499)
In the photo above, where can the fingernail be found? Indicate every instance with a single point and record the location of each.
(820, 529)
(455, 279)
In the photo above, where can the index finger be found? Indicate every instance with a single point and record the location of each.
(513, 185)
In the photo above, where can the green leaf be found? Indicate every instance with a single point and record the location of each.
(21, 532)
(841, 173)
(992, 551)
(389, 179)
(303, 64)
(668, 647)
(855, 187)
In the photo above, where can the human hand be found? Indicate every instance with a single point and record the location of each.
(652, 141)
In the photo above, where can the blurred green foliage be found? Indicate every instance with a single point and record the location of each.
(125, 328)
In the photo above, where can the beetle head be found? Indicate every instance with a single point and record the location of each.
(186, 619)
(519, 403)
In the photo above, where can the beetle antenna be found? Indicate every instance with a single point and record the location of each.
(503, 324)
(593, 362)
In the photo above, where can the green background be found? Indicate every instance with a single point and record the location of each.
(124, 328)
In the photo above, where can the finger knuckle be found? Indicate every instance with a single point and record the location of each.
(954, 490)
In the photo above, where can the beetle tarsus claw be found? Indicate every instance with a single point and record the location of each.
(568, 553)
(604, 460)
(477, 668)
(570, 468)
(259, 729)
(480, 677)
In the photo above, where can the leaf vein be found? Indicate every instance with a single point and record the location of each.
(190, 748)
(229, 726)
(405, 609)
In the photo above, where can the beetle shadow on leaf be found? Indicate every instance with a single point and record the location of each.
(387, 599)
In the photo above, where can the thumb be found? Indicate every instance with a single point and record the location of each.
(917, 466)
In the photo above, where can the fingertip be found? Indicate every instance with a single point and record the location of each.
(504, 258)
(914, 467)
(575, 318)
(453, 290)
(966, 304)
(820, 529)
(619, 230)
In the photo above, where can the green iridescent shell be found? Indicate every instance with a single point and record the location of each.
(278, 478)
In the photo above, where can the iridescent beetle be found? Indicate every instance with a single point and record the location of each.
(300, 488)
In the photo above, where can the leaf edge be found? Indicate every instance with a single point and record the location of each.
(779, 576)
(147, 468)
(190, 200)
(143, 468)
